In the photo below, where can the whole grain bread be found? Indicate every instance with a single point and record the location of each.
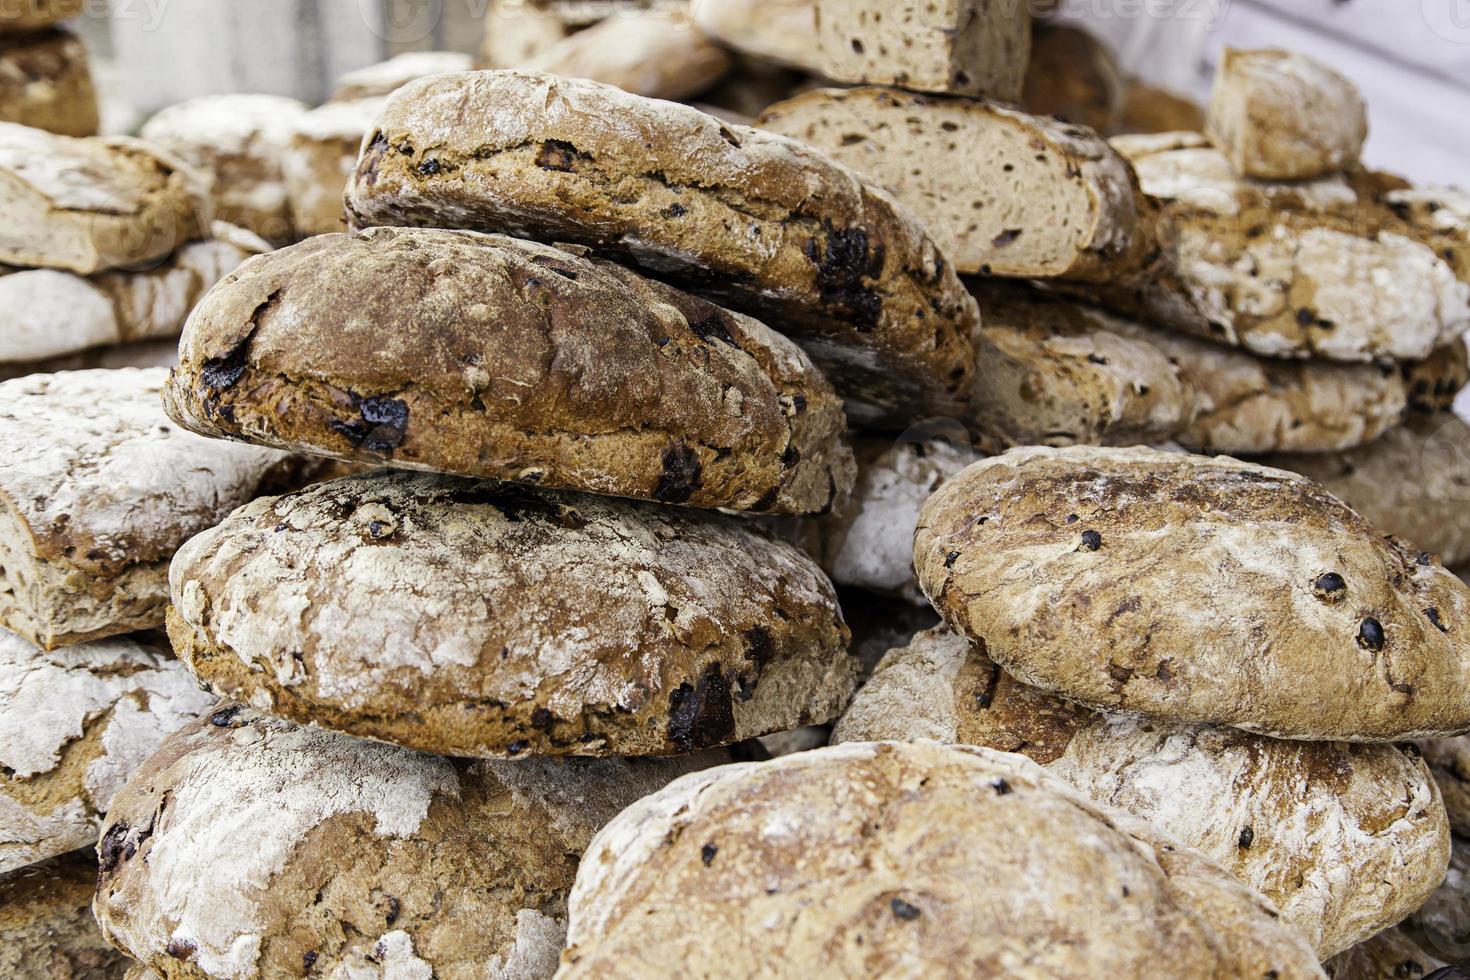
(98, 490)
(743, 216)
(1433, 384)
(46, 82)
(1284, 115)
(542, 623)
(959, 47)
(1344, 840)
(55, 313)
(777, 31)
(251, 848)
(1018, 195)
(46, 927)
(495, 357)
(888, 859)
(19, 16)
(86, 205)
(74, 725)
(1197, 590)
(1075, 75)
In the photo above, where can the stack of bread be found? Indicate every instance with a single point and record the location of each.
(45, 73)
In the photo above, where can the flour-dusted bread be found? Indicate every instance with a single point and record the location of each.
(1284, 115)
(248, 847)
(91, 204)
(778, 31)
(751, 219)
(1412, 482)
(386, 77)
(1244, 403)
(959, 47)
(319, 159)
(1345, 840)
(541, 623)
(490, 356)
(1199, 590)
(1017, 195)
(239, 142)
(1075, 75)
(657, 53)
(54, 313)
(74, 725)
(20, 16)
(46, 82)
(1449, 760)
(99, 489)
(876, 860)
(1049, 373)
(46, 927)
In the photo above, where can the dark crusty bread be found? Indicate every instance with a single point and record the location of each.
(1074, 75)
(46, 82)
(749, 218)
(494, 357)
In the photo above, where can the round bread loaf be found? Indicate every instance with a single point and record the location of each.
(1393, 954)
(46, 82)
(868, 860)
(482, 619)
(1449, 760)
(248, 847)
(74, 724)
(46, 927)
(1344, 839)
(1197, 590)
(752, 219)
(489, 356)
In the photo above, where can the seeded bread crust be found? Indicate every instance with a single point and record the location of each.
(98, 491)
(493, 357)
(1051, 373)
(960, 47)
(1344, 839)
(908, 860)
(1412, 482)
(1285, 116)
(1024, 195)
(55, 313)
(22, 16)
(778, 31)
(85, 205)
(46, 82)
(1197, 590)
(74, 724)
(248, 847)
(46, 927)
(543, 624)
(751, 219)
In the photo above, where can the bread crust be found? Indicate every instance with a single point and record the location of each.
(386, 77)
(542, 623)
(101, 488)
(748, 218)
(494, 357)
(1344, 840)
(319, 160)
(46, 927)
(890, 859)
(1197, 590)
(248, 847)
(1449, 760)
(46, 82)
(1073, 74)
(778, 31)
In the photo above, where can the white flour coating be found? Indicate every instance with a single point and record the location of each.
(538, 943)
(337, 121)
(911, 695)
(386, 76)
(213, 126)
(120, 695)
(1193, 172)
(72, 174)
(1444, 209)
(870, 544)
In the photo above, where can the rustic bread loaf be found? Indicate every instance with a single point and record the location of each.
(18, 16)
(1344, 840)
(1412, 482)
(778, 31)
(746, 217)
(46, 927)
(960, 47)
(55, 313)
(516, 32)
(247, 847)
(868, 860)
(1151, 109)
(1391, 955)
(1019, 195)
(1074, 75)
(239, 143)
(1433, 384)
(490, 356)
(91, 204)
(1197, 590)
(386, 77)
(319, 159)
(99, 490)
(74, 725)
(144, 354)
(1051, 373)
(46, 82)
(1449, 760)
(1443, 922)
(1284, 115)
(550, 624)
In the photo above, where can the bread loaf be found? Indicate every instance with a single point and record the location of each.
(46, 82)
(1074, 75)
(46, 927)
(386, 77)
(778, 31)
(320, 157)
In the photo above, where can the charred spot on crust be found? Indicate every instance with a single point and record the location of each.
(220, 373)
(758, 646)
(1329, 586)
(680, 477)
(903, 910)
(701, 715)
(224, 716)
(113, 849)
(1432, 613)
(711, 328)
(841, 265)
(1370, 634)
(380, 428)
(559, 155)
